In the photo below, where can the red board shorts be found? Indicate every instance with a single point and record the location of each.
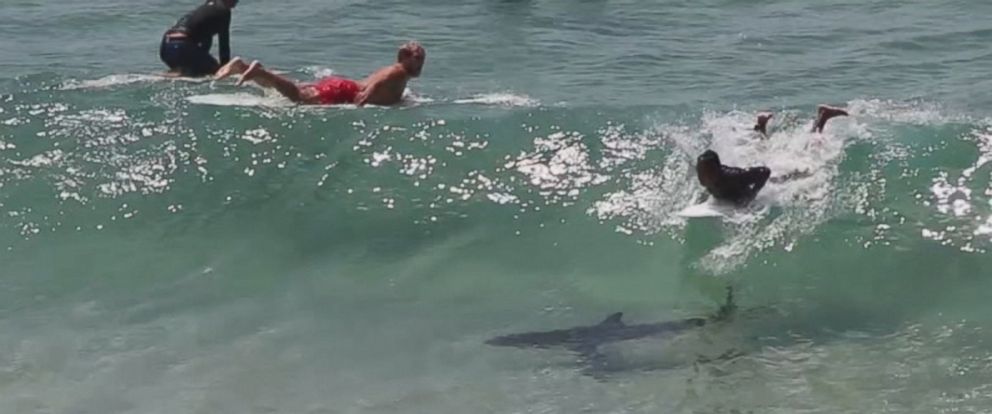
(335, 90)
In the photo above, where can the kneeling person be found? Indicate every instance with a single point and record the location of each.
(383, 87)
(185, 47)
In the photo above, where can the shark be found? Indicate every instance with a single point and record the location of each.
(586, 340)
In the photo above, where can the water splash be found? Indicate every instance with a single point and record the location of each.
(500, 99)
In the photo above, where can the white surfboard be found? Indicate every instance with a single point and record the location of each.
(238, 99)
(708, 208)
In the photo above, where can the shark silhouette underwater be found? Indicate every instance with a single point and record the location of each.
(587, 340)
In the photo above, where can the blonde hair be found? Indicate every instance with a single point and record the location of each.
(411, 48)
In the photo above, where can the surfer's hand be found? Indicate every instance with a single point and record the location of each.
(362, 98)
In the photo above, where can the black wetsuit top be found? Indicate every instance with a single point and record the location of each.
(737, 185)
(201, 25)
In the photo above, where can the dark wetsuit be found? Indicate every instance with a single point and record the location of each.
(190, 55)
(737, 185)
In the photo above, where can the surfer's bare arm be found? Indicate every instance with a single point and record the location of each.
(379, 83)
(387, 85)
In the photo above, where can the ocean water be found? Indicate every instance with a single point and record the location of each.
(195, 247)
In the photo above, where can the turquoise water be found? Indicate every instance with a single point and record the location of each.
(191, 247)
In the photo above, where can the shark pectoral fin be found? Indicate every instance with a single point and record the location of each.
(589, 354)
(597, 364)
(613, 319)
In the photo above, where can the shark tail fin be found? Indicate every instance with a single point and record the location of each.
(613, 319)
(728, 309)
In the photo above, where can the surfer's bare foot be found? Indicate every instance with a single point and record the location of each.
(250, 72)
(824, 113)
(761, 125)
(235, 66)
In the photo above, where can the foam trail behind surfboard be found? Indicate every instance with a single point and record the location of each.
(126, 79)
(501, 99)
(409, 99)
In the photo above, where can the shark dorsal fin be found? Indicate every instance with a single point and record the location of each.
(613, 319)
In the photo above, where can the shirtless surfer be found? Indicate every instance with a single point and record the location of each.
(383, 87)
(740, 186)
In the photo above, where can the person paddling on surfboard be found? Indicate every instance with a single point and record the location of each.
(740, 186)
(730, 184)
(185, 47)
(823, 114)
(383, 87)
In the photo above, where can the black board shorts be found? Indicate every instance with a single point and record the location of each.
(187, 57)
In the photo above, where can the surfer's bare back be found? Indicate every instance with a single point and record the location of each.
(383, 87)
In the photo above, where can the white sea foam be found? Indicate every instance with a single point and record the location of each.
(125, 79)
(319, 71)
(803, 164)
(956, 195)
(500, 99)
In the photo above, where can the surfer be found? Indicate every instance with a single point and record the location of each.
(740, 186)
(186, 46)
(823, 114)
(730, 184)
(383, 87)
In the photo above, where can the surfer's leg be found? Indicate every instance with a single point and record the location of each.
(286, 87)
(761, 124)
(194, 61)
(824, 113)
(171, 53)
(235, 67)
(205, 65)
